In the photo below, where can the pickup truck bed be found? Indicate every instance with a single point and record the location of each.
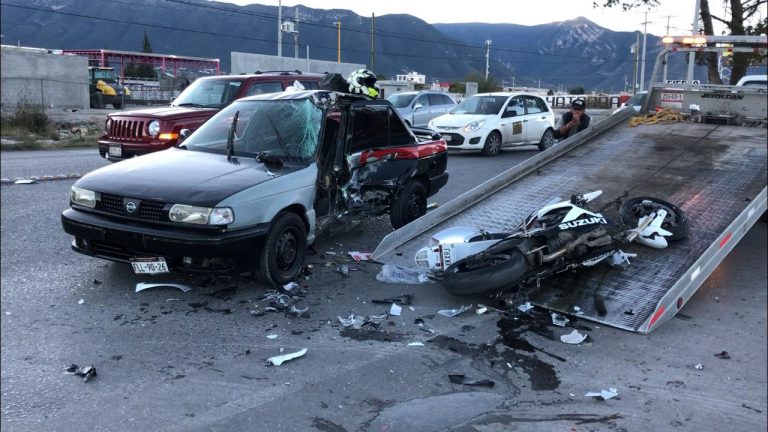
(715, 173)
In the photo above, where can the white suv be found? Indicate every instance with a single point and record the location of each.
(488, 122)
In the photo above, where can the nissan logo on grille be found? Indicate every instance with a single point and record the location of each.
(131, 207)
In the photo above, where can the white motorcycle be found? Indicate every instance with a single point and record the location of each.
(558, 237)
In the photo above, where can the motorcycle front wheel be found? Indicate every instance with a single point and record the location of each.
(676, 221)
(493, 273)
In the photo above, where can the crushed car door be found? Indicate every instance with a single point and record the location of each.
(332, 171)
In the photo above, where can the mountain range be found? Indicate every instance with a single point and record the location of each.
(558, 55)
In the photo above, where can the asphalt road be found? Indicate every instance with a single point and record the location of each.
(169, 360)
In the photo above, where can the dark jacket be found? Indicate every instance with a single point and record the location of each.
(568, 116)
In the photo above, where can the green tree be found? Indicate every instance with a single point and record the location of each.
(742, 12)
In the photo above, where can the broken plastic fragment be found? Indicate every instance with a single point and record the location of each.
(23, 181)
(354, 321)
(723, 355)
(87, 372)
(525, 307)
(290, 285)
(461, 379)
(481, 309)
(396, 274)
(416, 344)
(360, 256)
(604, 394)
(559, 320)
(395, 309)
(573, 338)
(403, 299)
(699, 366)
(272, 336)
(454, 312)
(344, 269)
(141, 286)
(81, 301)
(621, 259)
(278, 360)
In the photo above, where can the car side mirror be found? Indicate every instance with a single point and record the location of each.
(183, 134)
(418, 106)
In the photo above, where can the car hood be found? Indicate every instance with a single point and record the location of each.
(459, 120)
(167, 112)
(181, 176)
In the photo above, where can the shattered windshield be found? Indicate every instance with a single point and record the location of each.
(286, 129)
(209, 93)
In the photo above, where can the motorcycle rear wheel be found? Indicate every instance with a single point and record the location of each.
(468, 277)
(676, 221)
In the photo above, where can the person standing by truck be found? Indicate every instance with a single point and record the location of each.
(572, 122)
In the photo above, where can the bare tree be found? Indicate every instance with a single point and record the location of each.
(742, 12)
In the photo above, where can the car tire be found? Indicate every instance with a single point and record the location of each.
(97, 101)
(283, 251)
(409, 204)
(492, 145)
(547, 140)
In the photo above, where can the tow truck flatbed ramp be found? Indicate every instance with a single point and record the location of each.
(715, 173)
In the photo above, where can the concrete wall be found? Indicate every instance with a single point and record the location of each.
(250, 63)
(37, 77)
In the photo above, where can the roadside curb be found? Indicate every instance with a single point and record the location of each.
(27, 180)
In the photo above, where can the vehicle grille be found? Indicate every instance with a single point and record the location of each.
(126, 130)
(148, 210)
(456, 139)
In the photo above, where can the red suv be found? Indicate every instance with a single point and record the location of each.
(138, 132)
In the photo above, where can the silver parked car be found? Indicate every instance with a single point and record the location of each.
(417, 108)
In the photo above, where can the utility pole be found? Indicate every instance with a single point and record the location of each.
(665, 61)
(296, 36)
(338, 38)
(692, 55)
(373, 41)
(635, 50)
(280, 28)
(487, 57)
(642, 62)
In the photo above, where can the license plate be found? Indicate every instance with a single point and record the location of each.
(116, 150)
(155, 265)
(446, 256)
(446, 137)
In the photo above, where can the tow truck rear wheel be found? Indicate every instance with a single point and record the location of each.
(409, 205)
(97, 101)
(283, 251)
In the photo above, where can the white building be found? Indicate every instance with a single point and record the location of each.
(414, 77)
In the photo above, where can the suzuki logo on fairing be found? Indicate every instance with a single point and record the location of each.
(130, 206)
(580, 222)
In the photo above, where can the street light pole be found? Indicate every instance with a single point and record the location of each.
(280, 28)
(642, 61)
(338, 43)
(692, 55)
(487, 57)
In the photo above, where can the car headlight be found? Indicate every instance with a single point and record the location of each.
(475, 125)
(107, 125)
(153, 128)
(82, 197)
(201, 215)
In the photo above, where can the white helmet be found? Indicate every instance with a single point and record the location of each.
(363, 81)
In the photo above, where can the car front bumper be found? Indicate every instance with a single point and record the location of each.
(183, 249)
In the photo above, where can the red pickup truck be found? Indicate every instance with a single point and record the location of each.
(138, 132)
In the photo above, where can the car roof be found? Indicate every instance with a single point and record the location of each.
(271, 74)
(506, 94)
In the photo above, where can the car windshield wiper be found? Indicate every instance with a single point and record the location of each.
(191, 104)
(231, 140)
(278, 136)
(267, 158)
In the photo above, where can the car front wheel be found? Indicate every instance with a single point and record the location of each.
(547, 140)
(492, 144)
(282, 253)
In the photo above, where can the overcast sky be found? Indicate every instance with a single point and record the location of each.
(524, 12)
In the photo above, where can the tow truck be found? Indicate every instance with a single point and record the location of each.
(712, 165)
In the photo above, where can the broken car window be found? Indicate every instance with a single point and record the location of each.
(288, 129)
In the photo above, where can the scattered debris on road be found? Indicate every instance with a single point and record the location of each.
(396, 274)
(402, 299)
(279, 360)
(525, 307)
(141, 286)
(723, 355)
(559, 320)
(86, 372)
(603, 394)
(454, 312)
(461, 379)
(573, 338)
(360, 255)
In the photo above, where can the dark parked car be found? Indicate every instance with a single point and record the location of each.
(255, 184)
(138, 132)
